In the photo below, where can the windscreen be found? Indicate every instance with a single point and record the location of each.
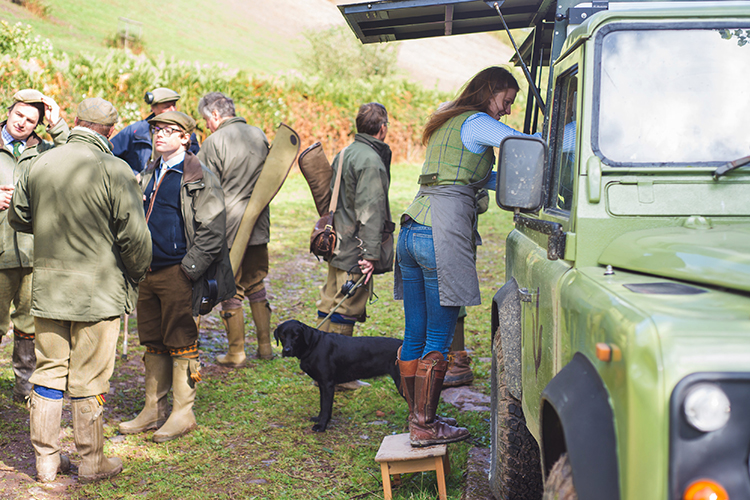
(673, 96)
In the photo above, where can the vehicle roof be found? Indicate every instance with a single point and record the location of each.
(392, 20)
(656, 11)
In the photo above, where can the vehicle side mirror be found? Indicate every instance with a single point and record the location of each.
(520, 173)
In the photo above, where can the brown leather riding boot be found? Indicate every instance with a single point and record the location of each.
(262, 319)
(424, 428)
(158, 383)
(234, 322)
(24, 363)
(408, 370)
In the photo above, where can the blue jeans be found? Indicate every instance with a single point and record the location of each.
(429, 326)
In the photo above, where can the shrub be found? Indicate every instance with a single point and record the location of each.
(336, 51)
(318, 108)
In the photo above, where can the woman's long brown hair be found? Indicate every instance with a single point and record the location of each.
(475, 96)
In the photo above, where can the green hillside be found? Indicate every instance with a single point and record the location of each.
(208, 45)
(204, 31)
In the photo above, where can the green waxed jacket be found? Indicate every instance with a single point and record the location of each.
(17, 249)
(363, 207)
(236, 153)
(204, 215)
(91, 242)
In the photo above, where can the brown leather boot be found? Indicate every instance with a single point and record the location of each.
(24, 362)
(262, 319)
(88, 434)
(158, 383)
(408, 370)
(424, 428)
(185, 374)
(44, 420)
(459, 370)
(234, 322)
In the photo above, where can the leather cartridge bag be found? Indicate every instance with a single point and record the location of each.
(323, 236)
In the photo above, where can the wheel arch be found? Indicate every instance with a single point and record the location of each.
(506, 315)
(576, 418)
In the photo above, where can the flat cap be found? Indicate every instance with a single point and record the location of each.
(97, 110)
(162, 94)
(28, 96)
(185, 122)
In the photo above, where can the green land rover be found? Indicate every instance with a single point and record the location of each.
(621, 338)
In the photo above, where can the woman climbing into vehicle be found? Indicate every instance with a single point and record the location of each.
(436, 272)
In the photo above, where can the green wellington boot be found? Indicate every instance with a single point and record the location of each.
(262, 319)
(44, 420)
(234, 323)
(158, 383)
(88, 434)
(181, 420)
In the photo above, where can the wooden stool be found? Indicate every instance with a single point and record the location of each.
(396, 456)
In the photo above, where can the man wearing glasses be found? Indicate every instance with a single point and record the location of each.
(133, 143)
(184, 207)
(361, 214)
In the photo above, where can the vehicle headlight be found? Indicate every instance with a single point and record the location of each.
(707, 407)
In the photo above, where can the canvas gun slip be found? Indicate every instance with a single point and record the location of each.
(279, 161)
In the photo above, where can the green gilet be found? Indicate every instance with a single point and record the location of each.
(448, 162)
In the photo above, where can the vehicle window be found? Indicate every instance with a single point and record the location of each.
(565, 142)
(672, 96)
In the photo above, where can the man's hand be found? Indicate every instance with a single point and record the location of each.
(367, 267)
(6, 192)
(51, 111)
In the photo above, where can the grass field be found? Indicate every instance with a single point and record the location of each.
(254, 439)
(204, 31)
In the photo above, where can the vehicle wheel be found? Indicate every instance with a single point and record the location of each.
(559, 484)
(516, 472)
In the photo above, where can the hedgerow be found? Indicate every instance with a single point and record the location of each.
(318, 107)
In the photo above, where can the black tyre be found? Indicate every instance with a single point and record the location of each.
(516, 473)
(559, 484)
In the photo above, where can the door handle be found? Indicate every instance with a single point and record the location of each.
(524, 295)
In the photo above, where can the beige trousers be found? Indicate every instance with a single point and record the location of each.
(330, 295)
(15, 288)
(76, 357)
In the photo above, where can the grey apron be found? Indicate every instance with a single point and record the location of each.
(453, 212)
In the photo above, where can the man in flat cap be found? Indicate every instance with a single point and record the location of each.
(133, 143)
(91, 248)
(184, 207)
(21, 145)
(236, 153)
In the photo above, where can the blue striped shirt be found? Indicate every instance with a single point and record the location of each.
(480, 131)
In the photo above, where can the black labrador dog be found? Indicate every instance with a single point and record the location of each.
(330, 359)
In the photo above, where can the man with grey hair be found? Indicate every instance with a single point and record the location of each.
(91, 249)
(236, 153)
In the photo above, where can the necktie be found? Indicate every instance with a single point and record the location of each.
(16, 148)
